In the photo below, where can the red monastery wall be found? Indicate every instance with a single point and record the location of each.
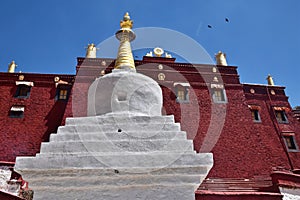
(42, 114)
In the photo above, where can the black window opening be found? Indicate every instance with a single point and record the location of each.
(62, 93)
(255, 115)
(182, 94)
(290, 142)
(218, 95)
(16, 112)
(281, 116)
(23, 91)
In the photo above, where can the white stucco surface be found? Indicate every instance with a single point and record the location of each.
(290, 193)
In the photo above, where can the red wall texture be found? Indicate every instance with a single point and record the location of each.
(42, 115)
(7, 196)
(239, 196)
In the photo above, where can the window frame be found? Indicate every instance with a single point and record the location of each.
(20, 89)
(222, 95)
(20, 111)
(294, 146)
(58, 95)
(183, 89)
(283, 115)
(214, 87)
(253, 113)
(184, 93)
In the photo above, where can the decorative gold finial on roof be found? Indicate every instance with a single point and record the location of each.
(126, 22)
(270, 80)
(221, 58)
(11, 67)
(125, 35)
(91, 51)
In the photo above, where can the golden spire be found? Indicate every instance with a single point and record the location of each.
(91, 51)
(221, 58)
(125, 35)
(11, 67)
(270, 80)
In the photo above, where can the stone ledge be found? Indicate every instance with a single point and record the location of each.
(96, 136)
(119, 119)
(117, 146)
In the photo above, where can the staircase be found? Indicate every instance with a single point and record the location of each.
(116, 156)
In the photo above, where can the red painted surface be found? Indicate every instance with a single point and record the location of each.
(237, 196)
(42, 115)
(286, 179)
(7, 196)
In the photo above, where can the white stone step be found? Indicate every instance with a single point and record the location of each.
(134, 135)
(117, 119)
(154, 128)
(117, 146)
(113, 160)
(115, 180)
(141, 192)
(34, 174)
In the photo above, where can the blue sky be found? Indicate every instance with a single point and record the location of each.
(261, 38)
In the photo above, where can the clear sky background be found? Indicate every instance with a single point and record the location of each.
(262, 37)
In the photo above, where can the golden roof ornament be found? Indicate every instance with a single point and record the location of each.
(221, 58)
(270, 80)
(126, 22)
(91, 51)
(158, 51)
(11, 67)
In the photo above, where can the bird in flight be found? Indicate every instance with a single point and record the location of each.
(226, 20)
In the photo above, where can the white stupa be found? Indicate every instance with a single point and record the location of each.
(124, 149)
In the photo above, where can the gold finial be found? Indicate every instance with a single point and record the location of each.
(91, 51)
(270, 80)
(11, 67)
(126, 22)
(125, 35)
(221, 58)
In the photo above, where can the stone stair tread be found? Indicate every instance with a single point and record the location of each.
(119, 127)
(119, 180)
(115, 160)
(117, 146)
(133, 135)
(113, 119)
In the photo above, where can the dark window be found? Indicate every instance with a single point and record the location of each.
(218, 95)
(23, 91)
(255, 115)
(281, 116)
(182, 94)
(290, 142)
(62, 93)
(16, 112)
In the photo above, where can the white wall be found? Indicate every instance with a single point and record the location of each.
(290, 194)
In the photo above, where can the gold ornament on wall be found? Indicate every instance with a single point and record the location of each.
(161, 76)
